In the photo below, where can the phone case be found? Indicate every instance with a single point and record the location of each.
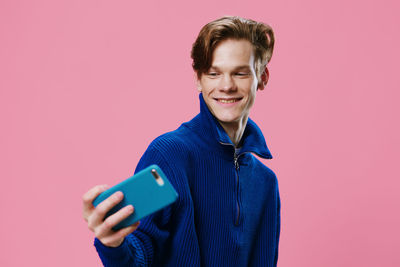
(148, 191)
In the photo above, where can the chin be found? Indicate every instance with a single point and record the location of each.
(227, 119)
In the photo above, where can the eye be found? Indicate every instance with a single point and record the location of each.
(242, 74)
(212, 74)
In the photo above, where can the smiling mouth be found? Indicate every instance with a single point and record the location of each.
(227, 101)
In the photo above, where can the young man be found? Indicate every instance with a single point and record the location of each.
(228, 210)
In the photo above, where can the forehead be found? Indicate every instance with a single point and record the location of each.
(233, 53)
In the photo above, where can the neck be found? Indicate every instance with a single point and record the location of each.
(235, 130)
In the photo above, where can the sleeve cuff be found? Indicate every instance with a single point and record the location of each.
(112, 253)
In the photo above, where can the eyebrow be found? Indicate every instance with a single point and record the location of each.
(241, 67)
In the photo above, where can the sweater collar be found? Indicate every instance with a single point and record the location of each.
(252, 139)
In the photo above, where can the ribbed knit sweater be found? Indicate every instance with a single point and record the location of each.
(228, 209)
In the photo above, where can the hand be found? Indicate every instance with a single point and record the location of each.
(94, 216)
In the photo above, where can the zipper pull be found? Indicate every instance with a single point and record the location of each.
(235, 159)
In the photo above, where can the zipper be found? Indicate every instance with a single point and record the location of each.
(235, 160)
(237, 167)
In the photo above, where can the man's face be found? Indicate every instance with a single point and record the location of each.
(229, 86)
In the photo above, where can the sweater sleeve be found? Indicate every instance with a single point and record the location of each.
(139, 247)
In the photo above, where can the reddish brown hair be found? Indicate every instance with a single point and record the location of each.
(259, 34)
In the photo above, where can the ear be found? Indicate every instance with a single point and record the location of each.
(264, 79)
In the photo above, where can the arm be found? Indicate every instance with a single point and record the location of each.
(140, 247)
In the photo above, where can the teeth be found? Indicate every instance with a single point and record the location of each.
(227, 101)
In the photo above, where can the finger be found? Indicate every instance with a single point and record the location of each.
(90, 195)
(116, 239)
(114, 219)
(101, 210)
(88, 198)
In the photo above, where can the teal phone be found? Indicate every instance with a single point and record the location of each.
(148, 191)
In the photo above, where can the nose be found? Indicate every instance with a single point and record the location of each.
(227, 83)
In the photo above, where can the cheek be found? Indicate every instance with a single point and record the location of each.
(249, 88)
(251, 99)
(207, 86)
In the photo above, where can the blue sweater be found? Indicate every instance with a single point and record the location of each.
(228, 210)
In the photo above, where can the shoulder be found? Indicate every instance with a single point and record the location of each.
(169, 150)
(171, 142)
(267, 173)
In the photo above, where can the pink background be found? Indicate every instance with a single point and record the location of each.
(86, 85)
